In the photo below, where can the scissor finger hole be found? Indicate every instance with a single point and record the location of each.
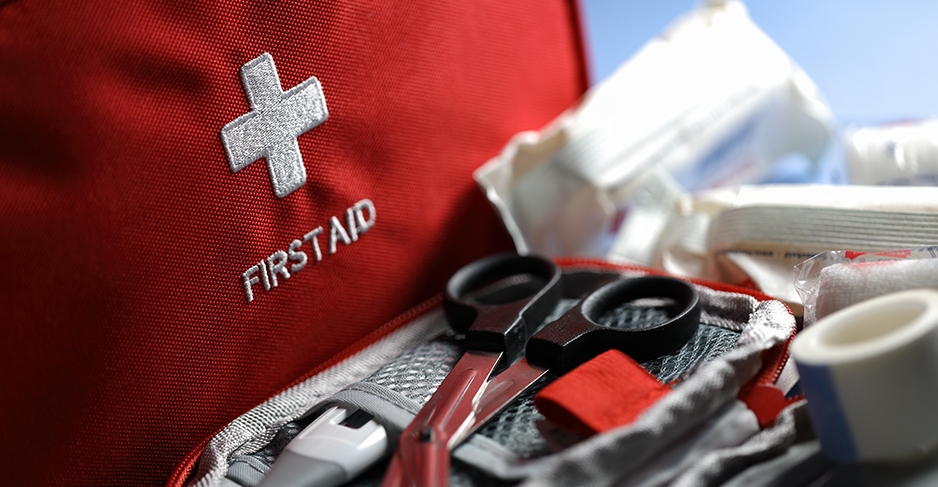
(639, 303)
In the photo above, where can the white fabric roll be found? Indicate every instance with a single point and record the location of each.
(842, 285)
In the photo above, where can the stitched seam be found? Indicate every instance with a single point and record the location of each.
(186, 467)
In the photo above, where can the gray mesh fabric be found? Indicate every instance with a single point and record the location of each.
(708, 343)
(710, 340)
(720, 357)
(417, 372)
(801, 464)
(516, 426)
(255, 429)
(607, 459)
(414, 374)
(637, 314)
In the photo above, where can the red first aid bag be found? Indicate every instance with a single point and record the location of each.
(203, 202)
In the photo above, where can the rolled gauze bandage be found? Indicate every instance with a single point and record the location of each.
(870, 374)
(842, 285)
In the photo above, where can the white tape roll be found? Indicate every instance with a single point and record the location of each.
(870, 374)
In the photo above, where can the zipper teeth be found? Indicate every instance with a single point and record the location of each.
(781, 366)
(781, 361)
(184, 468)
(795, 398)
(369, 339)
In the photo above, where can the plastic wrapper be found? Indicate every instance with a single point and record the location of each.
(897, 154)
(753, 235)
(710, 102)
(836, 279)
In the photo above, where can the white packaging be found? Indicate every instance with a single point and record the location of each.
(711, 101)
(898, 154)
(754, 235)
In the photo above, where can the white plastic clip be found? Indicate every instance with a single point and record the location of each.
(334, 449)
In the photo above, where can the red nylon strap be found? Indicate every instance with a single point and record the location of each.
(760, 394)
(610, 390)
(766, 402)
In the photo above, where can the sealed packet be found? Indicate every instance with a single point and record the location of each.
(752, 235)
(710, 102)
(835, 279)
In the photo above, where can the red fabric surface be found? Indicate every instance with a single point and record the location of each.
(766, 402)
(127, 335)
(608, 391)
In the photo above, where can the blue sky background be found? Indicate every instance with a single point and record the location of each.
(875, 62)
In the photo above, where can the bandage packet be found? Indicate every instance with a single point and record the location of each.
(835, 279)
(753, 235)
(711, 101)
(896, 154)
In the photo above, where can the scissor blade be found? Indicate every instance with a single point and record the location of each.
(424, 446)
(501, 391)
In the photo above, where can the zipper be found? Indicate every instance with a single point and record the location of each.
(186, 468)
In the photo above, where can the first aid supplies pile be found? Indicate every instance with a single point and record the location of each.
(676, 162)
(321, 244)
(718, 413)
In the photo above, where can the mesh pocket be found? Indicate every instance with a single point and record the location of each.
(707, 344)
(516, 426)
(414, 374)
(417, 373)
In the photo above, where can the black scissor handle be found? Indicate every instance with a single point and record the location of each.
(496, 313)
(577, 337)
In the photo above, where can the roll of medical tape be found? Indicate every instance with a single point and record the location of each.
(870, 374)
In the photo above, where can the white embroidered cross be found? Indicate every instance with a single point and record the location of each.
(276, 119)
